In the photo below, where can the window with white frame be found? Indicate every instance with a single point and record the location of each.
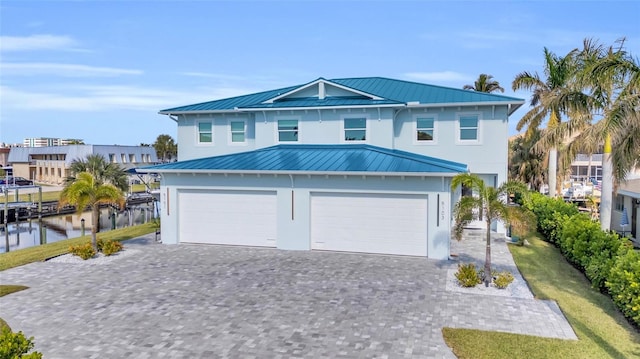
(619, 203)
(205, 132)
(468, 126)
(425, 128)
(238, 131)
(288, 130)
(355, 129)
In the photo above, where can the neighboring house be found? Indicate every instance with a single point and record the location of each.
(50, 165)
(354, 164)
(627, 203)
(48, 141)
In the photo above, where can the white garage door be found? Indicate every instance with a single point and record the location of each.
(228, 217)
(370, 223)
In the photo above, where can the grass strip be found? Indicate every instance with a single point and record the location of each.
(45, 251)
(10, 288)
(602, 330)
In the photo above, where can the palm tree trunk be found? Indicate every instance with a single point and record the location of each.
(95, 216)
(606, 194)
(487, 257)
(553, 169)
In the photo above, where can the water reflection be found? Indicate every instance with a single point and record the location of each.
(28, 233)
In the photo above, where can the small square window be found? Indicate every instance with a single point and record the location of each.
(237, 131)
(205, 132)
(468, 128)
(355, 129)
(287, 130)
(425, 129)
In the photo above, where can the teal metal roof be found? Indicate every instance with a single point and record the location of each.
(389, 91)
(316, 158)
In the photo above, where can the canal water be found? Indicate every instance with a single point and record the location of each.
(32, 232)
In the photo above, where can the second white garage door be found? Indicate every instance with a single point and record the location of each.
(228, 217)
(370, 223)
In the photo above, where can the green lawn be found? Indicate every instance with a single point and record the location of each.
(40, 253)
(602, 331)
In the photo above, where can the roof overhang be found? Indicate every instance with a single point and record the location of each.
(512, 107)
(261, 109)
(297, 173)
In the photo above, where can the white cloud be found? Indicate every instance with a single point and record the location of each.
(65, 70)
(103, 98)
(37, 42)
(442, 76)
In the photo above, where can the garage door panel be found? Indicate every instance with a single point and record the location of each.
(371, 223)
(228, 217)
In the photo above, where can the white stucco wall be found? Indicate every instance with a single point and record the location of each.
(294, 234)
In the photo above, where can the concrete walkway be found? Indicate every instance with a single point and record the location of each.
(198, 301)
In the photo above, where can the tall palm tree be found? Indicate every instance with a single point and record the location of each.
(611, 78)
(484, 83)
(87, 191)
(549, 100)
(166, 148)
(101, 169)
(490, 202)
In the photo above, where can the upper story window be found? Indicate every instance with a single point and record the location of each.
(425, 129)
(355, 129)
(123, 158)
(287, 130)
(238, 131)
(132, 158)
(468, 128)
(205, 132)
(112, 157)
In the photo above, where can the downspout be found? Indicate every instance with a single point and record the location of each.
(393, 125)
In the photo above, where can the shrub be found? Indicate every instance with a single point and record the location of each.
(84, 251)
(467, 275)
(503, 279)
(111, 247)
(16, 345)
(624, 283)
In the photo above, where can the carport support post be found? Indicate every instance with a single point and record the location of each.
(6, 218)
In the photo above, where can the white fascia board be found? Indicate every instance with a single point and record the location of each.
(260, 109)
(307, 173)
(513, 108)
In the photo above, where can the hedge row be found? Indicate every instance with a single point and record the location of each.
(608, 261)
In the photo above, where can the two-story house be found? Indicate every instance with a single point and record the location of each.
(353, 164)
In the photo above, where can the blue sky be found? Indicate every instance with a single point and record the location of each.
(101, 70)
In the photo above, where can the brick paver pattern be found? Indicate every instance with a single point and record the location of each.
(206, 301)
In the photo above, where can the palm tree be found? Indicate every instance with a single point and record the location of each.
(491, 202)
(551, 97)
(103, 171)
(525, 164)
(87, 191)
(612, 79)
(166, 148)
(484, 83)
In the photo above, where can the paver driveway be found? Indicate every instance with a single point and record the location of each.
(197, 301)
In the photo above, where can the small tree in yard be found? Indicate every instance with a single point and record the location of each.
(490, 202)
(87, 191)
